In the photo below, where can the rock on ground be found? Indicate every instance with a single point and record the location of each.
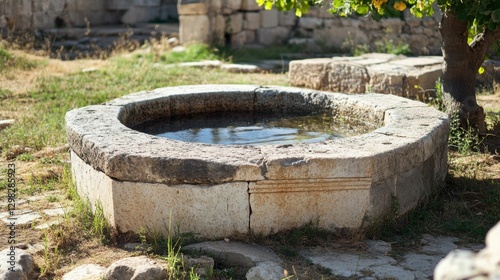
(266, 271)
(85, 272)
(135, 268)
(16, 264)
(235, 253)
(462, 264)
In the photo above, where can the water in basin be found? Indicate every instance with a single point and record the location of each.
(247, 128)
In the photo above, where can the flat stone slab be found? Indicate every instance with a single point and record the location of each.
(235, 253)
(22, 219)
(374, 262)
(381, 73)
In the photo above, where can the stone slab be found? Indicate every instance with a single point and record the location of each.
(331, 204)
(209, 211)
(235, 253)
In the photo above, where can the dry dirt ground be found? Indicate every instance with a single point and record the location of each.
(77, 250)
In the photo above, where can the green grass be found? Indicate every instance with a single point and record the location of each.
(53, 97)
(9, 62)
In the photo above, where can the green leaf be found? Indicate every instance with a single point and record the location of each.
(261, 2)
(481, 70)
(362, 9)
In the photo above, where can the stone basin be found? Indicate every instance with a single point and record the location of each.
(212, 191)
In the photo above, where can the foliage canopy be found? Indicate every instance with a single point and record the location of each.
(479, 13)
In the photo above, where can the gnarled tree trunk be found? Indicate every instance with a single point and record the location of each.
(461, 64)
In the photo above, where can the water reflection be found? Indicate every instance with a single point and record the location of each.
(246, 128)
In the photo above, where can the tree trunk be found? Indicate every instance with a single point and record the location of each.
(461, 64)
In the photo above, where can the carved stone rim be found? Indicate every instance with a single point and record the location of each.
(100, 136)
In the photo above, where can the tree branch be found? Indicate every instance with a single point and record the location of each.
(482, 42)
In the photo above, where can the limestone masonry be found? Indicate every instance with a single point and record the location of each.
(218, 190)
(234, 22)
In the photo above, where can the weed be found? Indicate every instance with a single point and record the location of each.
(53, 198)
(193, 52)
(388, 46)
(9, 61)
(93, 222)
(464, 140)
(26, 157)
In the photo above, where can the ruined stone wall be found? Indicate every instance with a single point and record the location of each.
(37, 14)
(247, 23)
(234, 22)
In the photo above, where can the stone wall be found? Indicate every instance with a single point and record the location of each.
(39, 14)
(319, 30)
(246, 23)
(234, 22)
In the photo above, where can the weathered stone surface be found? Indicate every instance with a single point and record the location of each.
(269, 18)
(235, 253)
(464, 264)
(351, 265)
(202, 265)
(378, 247)
(249, 5)
(137, 14)
(274, 35)
(16, 264)
(225, 205)
(331, 203)
(288, 18)
(408, 77)
(404, 158)
(251, 21)
(135, 268)
(310, 22)
(85, 272)
(200, 34)
(266, 270)
(235, 23)
(240, 68)
(23, 219)
(6, 123)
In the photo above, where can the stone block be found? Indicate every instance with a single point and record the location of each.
(287, 18)
(38, 5)
(234, 23)
(44, 19)
(147, 3)
(270, 36)
(251, 21)
(233, 5)
(8, 7)
(386, 78)
(331, 203)
(409, 189)
(421, 82)
(392, 25)
(91, 5)
(193, 9)
(238, 40)
(269, 18)
(310, 22)
(337, 36)
(22, 7)
(211, 211)
(347, 77)
(309, 73)
(138, 14)
(250, 36)
(119, 4)
(194, 28)
(249, 5)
